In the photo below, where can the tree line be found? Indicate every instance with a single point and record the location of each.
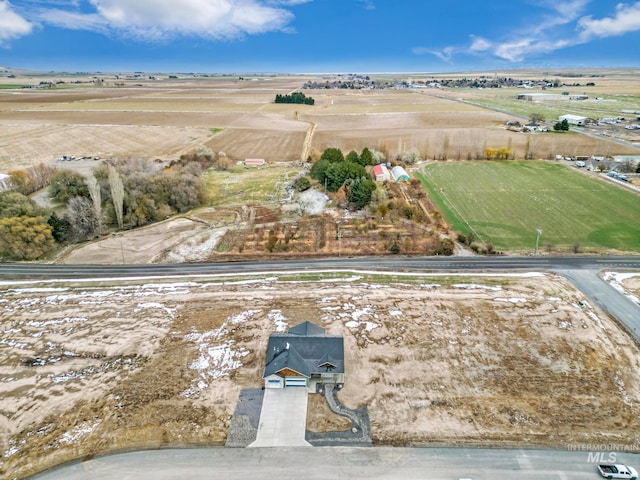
(117, 195)
(296, 97)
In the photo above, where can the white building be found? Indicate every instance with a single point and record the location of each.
(573, 119)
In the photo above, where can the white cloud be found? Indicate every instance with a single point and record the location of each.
(625, 20)
(12, 25)
(565, 25)
(367, 4)
(479, 44)
(165, 19)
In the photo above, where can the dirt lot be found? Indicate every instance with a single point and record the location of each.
(106, 365)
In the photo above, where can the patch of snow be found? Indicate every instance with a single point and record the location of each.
(78, 432)
(59, 321)
(621, 388)
(616, 279)
(243, 317)
(218, 359)
(511, 300)
(12, 450)
(473, 286)
(564, 325)
(160, 306)
(395, 312)
(368, 326)
(279, 320)
(197, 248)
(330, 309)
(553, 299)
(596, 319)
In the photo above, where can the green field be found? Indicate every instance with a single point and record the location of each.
(610, 106)
(241, 185)
(505, 202)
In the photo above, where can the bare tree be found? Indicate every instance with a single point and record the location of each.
(117, 193)
(82, 218)
(96, 197)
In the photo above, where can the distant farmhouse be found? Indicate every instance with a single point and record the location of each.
(532, 97)
(304, 357)
(254, 162)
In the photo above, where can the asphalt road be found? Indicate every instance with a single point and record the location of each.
(17, 271)
(336, 463)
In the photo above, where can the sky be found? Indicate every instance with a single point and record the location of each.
(313, 36)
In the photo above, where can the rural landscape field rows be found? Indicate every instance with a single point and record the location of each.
(88, 367)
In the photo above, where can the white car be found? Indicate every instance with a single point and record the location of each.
(618, 471)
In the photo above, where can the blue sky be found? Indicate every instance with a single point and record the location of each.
(317, 35)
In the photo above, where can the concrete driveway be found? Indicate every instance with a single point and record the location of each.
(283, 418)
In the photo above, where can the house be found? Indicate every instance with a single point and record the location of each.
(399, 174)
(573, 119)
(306, 357)
(381, 173)
(254, 162)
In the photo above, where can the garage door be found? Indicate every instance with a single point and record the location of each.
(295, 382)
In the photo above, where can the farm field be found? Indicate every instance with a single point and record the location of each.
(505, 202)
(162, 119)
(94, 366)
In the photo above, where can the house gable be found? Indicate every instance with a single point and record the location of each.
(287, 372)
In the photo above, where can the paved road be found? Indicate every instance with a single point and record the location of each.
(337, 463)
(12, 271)
(607, 298)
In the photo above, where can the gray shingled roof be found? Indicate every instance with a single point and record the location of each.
(306, 328)
(304, 349)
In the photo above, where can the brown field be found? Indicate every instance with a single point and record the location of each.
(166, 118)
(98, 366)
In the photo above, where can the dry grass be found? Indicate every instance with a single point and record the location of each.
(91, 368)
(164, 119)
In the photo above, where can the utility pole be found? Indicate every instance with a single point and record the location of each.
(538, 239)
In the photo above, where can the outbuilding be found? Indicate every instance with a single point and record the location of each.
(254, 162)
(573, 119)
(381, 173)
(399, 174)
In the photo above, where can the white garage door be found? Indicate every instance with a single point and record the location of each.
(295, 382)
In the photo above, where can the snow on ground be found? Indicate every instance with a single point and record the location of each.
(78, 432)
(278, 320)
(616, 279)
(511, 300)
(194, 249)
(312, 202)
(217, 357)
(474, 286)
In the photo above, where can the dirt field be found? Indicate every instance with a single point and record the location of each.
(104, 365)
(166, 118)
